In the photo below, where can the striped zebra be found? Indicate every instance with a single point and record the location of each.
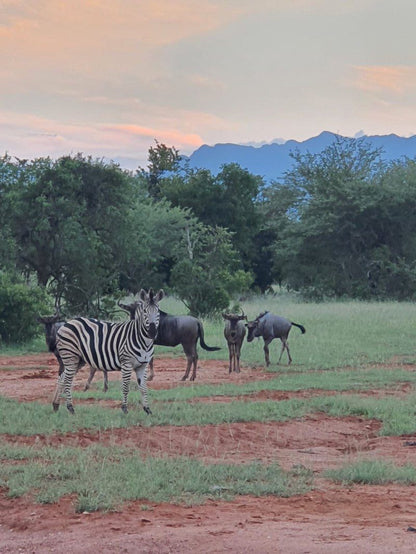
(124, 347)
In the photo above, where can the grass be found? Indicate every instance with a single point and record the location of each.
(33, 418)
(373, 472)
(104, 478)
(338, 334)
(343, 342)
(331, 380)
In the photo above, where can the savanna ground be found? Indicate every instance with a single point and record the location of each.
(354, 414)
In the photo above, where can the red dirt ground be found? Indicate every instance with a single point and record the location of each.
(331, 518)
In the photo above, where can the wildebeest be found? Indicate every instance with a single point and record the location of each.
(178, 329)
(234, 333)
(271, 326)
(52, 324)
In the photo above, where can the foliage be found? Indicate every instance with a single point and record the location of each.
(348, 231)
(227, 200)
(19, 306)
(206, 273)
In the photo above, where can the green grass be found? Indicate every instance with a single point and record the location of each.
(373, 472)
(32, 418)
(330, 380)
(104, 478)
(338, 334)
(342, 343)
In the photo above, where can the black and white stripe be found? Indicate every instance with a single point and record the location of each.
(108, 346)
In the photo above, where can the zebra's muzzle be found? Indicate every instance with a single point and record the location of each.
(152, 332)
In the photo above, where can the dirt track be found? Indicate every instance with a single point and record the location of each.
(331, 518)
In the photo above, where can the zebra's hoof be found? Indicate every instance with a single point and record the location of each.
(71, 409)
(55, 407)
(147, 410)
(124, 409)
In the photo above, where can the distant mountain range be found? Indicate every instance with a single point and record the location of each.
(272, 160)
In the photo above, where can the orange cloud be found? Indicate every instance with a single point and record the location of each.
(397, 79)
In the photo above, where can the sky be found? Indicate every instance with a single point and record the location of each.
(109, 77)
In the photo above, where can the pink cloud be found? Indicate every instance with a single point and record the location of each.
(397, 79)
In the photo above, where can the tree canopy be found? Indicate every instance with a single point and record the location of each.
(84, 232)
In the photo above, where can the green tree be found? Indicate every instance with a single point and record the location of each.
(68, 222)
(345, 229)
(20, 304)
(206, 273)
(227, 200)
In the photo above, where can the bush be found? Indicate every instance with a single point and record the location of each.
(20, 304)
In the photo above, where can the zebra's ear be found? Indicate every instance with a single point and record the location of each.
(159, 296)
(143, 295)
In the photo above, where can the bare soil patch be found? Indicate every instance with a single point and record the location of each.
(331, 518)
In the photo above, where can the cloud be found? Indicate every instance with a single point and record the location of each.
(377, 78)
(26, 136)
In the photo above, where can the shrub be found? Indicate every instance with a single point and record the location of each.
(20, 304)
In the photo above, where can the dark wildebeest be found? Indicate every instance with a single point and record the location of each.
(234, 333)
(178, 329)
(270, 326)
(52, 324)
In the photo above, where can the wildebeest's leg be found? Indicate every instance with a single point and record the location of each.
(286, 345)
(105, 380)
(266, 351)
(141, 374)
(283, 348)
(231, 355)
(151, 373)
(126, 376)
(188, 366)
(195, 361)
(237, 355)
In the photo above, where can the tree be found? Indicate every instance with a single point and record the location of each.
(206, 274)
(161, 159)
(227, 200)
(345, 230)
(68, 220)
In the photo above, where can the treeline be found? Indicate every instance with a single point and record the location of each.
(78, 233)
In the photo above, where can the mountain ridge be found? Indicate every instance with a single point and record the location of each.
(272, 160)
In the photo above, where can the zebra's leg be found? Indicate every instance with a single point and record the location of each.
(105, 380)
(90, 378)
(151, 372)
(141, 374)
(65, 383)
(58, 392)
(126, 376)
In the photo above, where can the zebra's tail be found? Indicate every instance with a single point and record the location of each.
(201, 339)
(301, 327)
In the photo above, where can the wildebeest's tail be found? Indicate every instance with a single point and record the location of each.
(201, 339)
(301, 327)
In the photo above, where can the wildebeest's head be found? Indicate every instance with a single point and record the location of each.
(234, 330)
(147, 311)
(253, 327)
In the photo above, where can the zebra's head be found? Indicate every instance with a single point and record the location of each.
(147, 311)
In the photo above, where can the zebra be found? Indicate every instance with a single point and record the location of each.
(108, 346)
